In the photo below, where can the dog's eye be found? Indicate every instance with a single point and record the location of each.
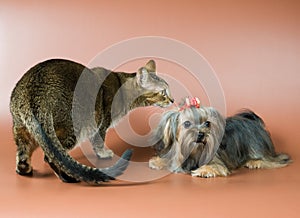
(187, 124)
(207, 124)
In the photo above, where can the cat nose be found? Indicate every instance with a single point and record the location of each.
(171, 100)
(200, 136)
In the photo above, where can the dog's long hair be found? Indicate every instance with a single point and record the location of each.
(188, 138)
(246, 138)
(199, 141)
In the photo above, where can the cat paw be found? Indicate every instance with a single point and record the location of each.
(24, 169)
(105, 153)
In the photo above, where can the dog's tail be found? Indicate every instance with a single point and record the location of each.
(270, 158)
(250, 115)
(278, 160)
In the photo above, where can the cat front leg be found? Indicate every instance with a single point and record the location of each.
(99, 147)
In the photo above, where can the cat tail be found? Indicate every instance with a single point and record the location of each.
(58, 156)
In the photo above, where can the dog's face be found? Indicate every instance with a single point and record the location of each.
(193, 127)
(190, 136)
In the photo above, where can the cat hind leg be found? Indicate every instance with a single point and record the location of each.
(25, 147)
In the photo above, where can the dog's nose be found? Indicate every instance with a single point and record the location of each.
(200, 136)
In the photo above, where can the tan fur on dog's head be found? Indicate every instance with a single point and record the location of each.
(188, 138)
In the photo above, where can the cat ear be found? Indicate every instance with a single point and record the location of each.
(151, 66)
(142, 76)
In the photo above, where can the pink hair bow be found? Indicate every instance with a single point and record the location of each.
(190, 102)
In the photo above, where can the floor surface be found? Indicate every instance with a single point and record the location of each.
(246, 193)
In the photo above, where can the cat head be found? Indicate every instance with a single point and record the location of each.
(155, 90)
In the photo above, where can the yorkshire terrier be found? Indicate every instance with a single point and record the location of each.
(199, 141)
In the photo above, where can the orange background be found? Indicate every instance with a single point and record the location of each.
(254, 49)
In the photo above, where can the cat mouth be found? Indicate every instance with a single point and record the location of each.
(163, 105)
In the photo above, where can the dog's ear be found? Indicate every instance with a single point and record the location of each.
(170, 128)
(217, 129)
(165, 133)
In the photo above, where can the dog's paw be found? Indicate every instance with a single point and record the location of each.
(204, 172)
(156, 163)
(254, 164)
(210, 171)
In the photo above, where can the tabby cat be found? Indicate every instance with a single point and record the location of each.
(58, 103)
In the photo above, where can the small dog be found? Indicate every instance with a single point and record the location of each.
(199, 141)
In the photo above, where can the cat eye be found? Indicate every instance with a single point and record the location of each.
(187, 124)
(164, 93)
